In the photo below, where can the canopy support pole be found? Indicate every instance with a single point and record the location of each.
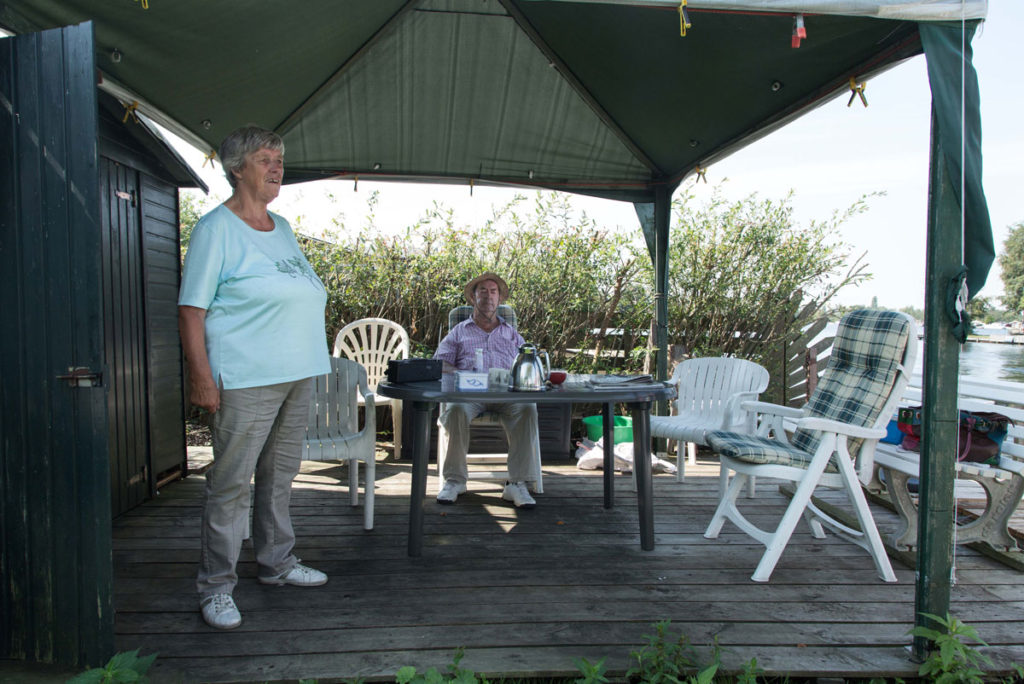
(662, 212)
(654, 220)
(940, 416)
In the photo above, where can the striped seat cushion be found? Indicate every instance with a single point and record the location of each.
(764, 450)
(862, 370)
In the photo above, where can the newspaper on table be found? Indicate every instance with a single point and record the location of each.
(620, 380)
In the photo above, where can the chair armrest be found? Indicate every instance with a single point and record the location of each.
(369, 410)
(368, 396)
(827, 425)
(772, 409)
(735, 402)
(770, 419)
(735, 415)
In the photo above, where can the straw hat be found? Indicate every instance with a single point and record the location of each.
(471, 286)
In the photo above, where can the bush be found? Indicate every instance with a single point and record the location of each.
(742, 278)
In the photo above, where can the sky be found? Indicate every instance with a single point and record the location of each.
(828, 158)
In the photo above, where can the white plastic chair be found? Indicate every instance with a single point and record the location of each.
(372, 342)
(834, 440)
(333, 434)
(456, 316)
(710, 395)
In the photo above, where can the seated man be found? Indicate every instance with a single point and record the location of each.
(487, 331)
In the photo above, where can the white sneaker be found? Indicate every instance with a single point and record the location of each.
(517, 493)
(220, 611)
(450, 492)
(300, 576)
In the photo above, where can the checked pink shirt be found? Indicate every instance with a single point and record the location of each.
(501, 345)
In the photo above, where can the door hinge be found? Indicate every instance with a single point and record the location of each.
(82, 377)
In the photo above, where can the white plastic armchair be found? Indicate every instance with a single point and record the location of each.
(333, 433)
(833, 442)
(711, 392)
(372, 342)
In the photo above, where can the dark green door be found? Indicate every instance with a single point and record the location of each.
(55, 560)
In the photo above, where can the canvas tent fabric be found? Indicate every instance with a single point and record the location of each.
(605, 99)
(599, 97)
(955, 97)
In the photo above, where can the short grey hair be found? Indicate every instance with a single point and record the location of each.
(242, 142)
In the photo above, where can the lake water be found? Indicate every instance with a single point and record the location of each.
(993, 361)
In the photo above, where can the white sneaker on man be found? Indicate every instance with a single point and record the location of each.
(220, 611)
(299, 576)
(450, 492)
(517, 493)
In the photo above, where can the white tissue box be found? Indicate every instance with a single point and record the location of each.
(470, 381)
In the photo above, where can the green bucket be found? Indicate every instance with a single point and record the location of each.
(622, 428)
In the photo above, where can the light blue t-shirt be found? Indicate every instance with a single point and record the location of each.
(264, 303)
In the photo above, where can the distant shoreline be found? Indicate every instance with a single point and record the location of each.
(997, 339)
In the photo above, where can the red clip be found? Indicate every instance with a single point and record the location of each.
(799, 31)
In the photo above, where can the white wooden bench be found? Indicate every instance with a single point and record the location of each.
(1003, 484)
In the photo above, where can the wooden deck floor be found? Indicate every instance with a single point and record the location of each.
(525, 593)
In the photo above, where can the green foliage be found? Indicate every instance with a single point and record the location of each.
(452, 675)
(739, 272)
(982, 310)
(582, 291)
(1011, 267)
(567, 276)
(122, 667)
(951, 660)
(670, 659)
(191, 207)
(593, 673)
(750, 672)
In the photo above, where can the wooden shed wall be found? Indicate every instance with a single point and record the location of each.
(141, 275)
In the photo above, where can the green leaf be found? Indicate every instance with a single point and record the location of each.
(405, 675)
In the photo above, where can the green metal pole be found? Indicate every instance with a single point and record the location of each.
(662, 212)
(940, 416)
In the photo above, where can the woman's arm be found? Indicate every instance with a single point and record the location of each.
(203, 390)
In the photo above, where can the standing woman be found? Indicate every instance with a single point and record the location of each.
(251, 315)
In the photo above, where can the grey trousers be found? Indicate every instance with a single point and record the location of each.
(520, 423)
(258, 430)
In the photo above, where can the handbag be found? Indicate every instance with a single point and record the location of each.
(981, 433)
(981, 436)
(908, 420)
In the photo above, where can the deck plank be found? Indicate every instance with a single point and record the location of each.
(528, 592)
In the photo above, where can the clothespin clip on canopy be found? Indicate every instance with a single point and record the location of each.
(129, 111)
(857, 89)
(799, 30)
(209, 158)
(684, 18)
(701, 175)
